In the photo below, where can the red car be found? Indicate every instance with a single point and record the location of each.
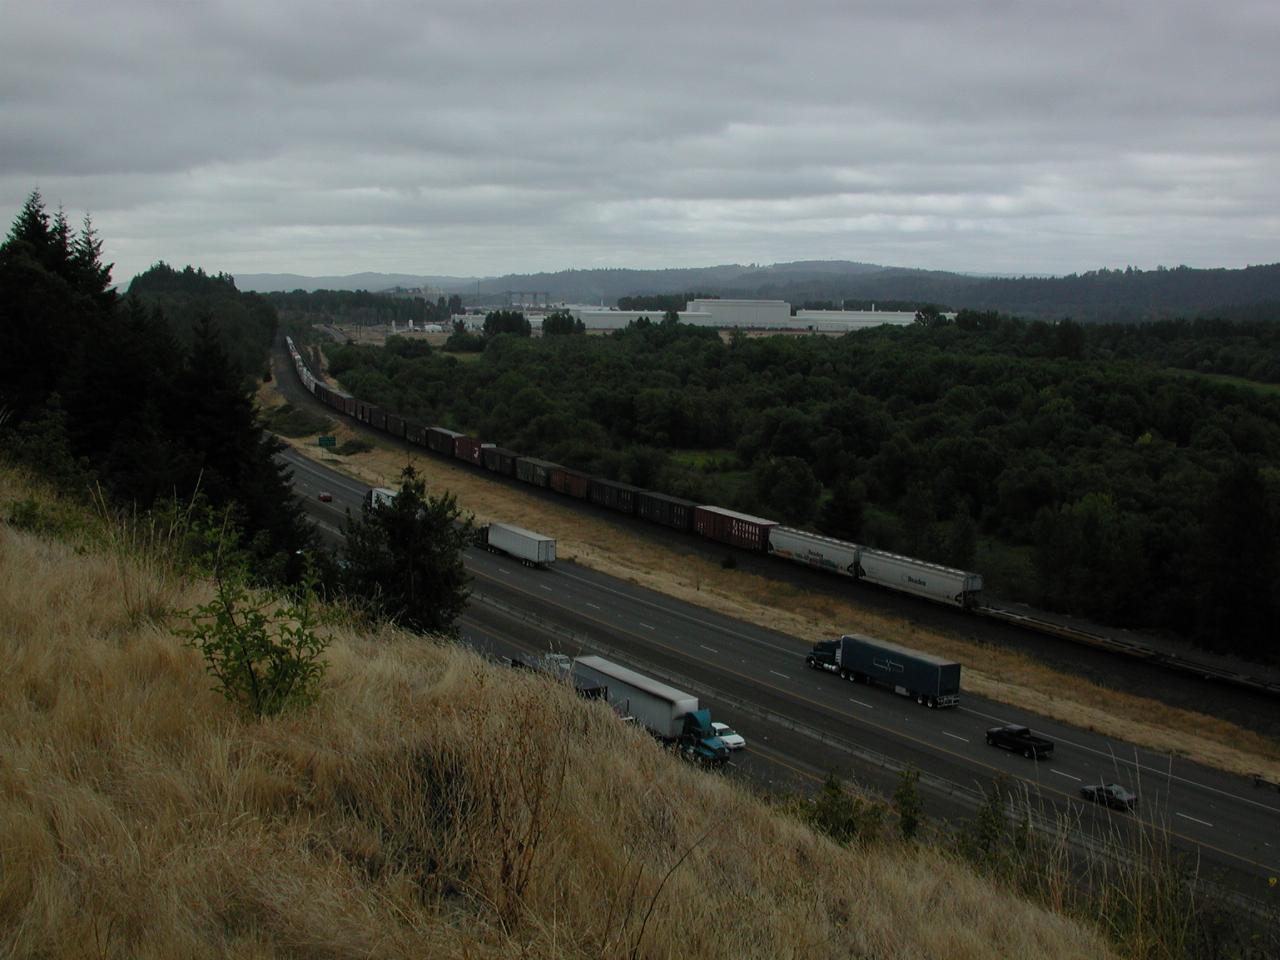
(325, 496)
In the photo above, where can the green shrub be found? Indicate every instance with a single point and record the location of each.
(262, 662)
(843, 816)
(354, 445)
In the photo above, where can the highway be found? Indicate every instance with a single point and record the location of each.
(801, 724)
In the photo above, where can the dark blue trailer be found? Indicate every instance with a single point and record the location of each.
(932, 681)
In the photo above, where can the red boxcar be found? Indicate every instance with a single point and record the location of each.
(468, 449)
(572, 482)
(728, 526)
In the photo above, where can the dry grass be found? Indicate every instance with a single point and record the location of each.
(431, 805)
(1005, 675)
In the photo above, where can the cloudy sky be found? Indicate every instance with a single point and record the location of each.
(480, 138)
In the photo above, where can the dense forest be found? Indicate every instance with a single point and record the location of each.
(149, 397)
(1068, 457)
(362, 307)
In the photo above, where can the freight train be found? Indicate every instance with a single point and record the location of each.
(957, 588)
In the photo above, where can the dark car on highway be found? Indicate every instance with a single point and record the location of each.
(1110, 794)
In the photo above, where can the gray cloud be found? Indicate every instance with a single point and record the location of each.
(487, 137)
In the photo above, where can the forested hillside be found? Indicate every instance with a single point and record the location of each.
(1133, 493)
(100, 391)
(1104, 295)
(245, 322)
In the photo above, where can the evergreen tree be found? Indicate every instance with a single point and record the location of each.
(406, 557)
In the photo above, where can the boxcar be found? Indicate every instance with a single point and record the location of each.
(500, 460)
(441, 440)
(377, 418)
(535, 471)
(731, 527)
(468, 449)
(395, 425)
(666, 510)
(614, 495)
(415, 433)
(575, 483)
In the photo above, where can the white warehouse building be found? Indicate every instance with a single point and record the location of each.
(752, 314)
(724, 315)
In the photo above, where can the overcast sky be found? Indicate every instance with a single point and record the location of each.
(481, 138)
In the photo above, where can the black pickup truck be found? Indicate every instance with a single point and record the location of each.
(1020, 740)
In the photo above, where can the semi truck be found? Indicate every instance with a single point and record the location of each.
(671, 715)
(932, 681)
(531, 549)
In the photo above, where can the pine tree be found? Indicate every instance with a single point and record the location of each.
(406, 557)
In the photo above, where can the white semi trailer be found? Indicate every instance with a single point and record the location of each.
(531, 549)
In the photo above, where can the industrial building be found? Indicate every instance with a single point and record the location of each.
(723, 315)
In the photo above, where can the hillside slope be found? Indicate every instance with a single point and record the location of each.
(430, 805)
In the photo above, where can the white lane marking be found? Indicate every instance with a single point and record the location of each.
(546, 588)
(1061, 774)
(593, 606)
(646, 626)
(777, 674)
(1203, 823)
(705, 647)
(861, 704)
(504, 571)
(955, 736)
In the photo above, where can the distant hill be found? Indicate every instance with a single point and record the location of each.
(374, 282)
(1100, 295)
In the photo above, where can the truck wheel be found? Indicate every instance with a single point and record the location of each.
(990, 742)
(1028, 753)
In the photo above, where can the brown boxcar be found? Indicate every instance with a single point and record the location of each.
(500, 460)
(468, 449)
(441, 440)
(666, 510)
(614, 494)
(377, 418)
(575, 483)
(535, 471)
(395, 425)
(728, 526)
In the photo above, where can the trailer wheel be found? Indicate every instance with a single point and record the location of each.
(1028, 753)
(990, 742)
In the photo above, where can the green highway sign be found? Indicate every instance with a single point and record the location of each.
(328, 441)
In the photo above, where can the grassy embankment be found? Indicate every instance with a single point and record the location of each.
(428, 805)
(1004, 675)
